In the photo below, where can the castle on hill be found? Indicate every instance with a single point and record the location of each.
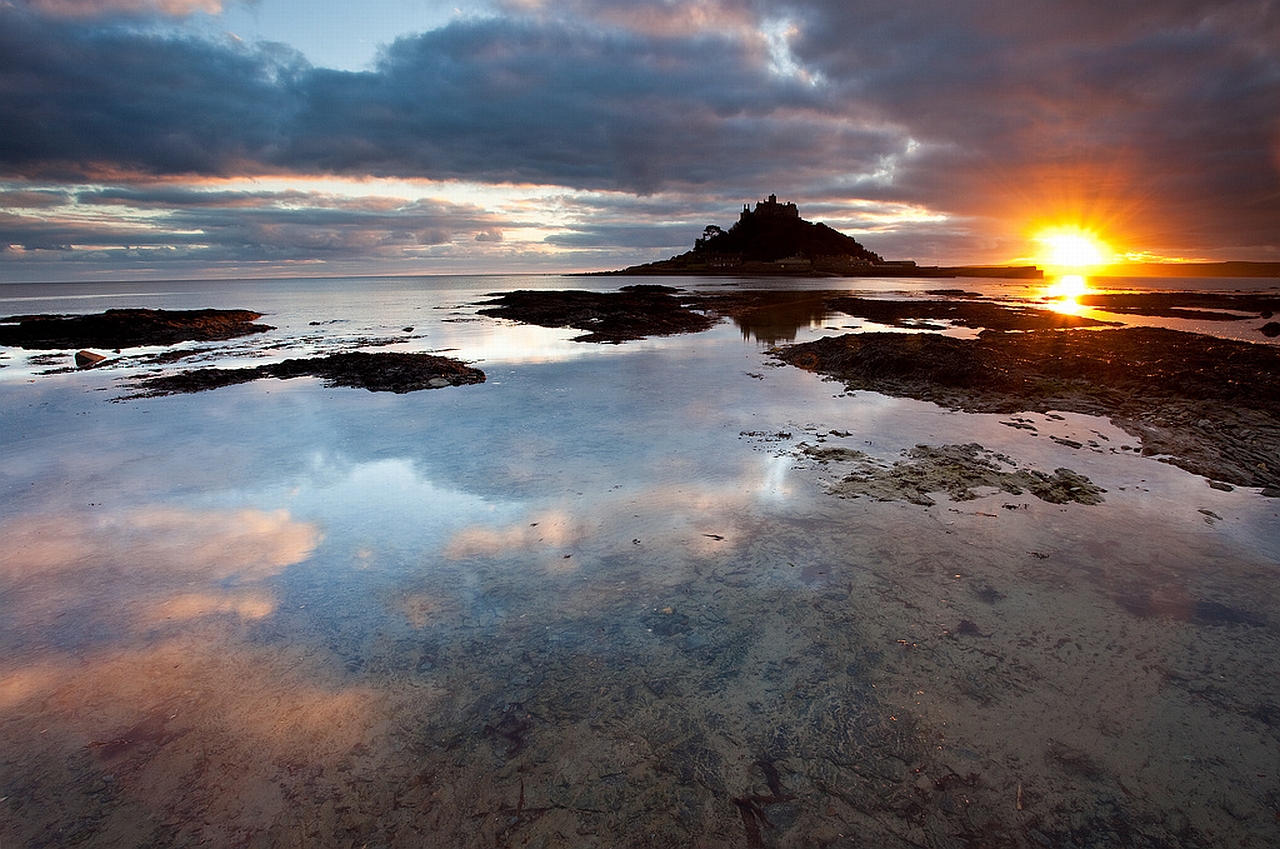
(774, 239)
(769, 207)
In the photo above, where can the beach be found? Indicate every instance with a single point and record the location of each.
(709, 585)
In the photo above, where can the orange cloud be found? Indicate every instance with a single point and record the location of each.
(97, 8)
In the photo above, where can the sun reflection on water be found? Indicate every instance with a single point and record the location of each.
(1064, 293)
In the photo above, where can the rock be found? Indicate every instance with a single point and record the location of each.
(127, 328)
(1271, 329)
(88, 359)
(380, 372)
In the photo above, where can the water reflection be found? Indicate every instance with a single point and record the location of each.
(75, 580)
(598, 596)
(781, 315)
(1064, 293)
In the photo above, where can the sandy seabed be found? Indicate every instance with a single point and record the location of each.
(1001, 671)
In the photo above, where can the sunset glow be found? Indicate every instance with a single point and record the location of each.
(1064, 291)
(1071, 248)
(1068, 286)
(281, 138)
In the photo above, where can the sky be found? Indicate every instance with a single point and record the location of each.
(231, 138)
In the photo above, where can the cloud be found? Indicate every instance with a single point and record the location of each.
(102, 8)
(131, 570)
(220, 732)
(1156, 113)
(654, 236)
(237, 225)
(33, 199)
(488, 100)
(1156, 121)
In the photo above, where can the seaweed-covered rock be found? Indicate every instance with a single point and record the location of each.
(954, 469)
(1207, 404)
(127, 328)
(379, 372)
(634, 312)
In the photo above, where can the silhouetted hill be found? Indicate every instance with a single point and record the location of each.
(774, 239)
(775, 231)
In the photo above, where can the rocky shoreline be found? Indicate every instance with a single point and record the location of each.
(117, 329)
(128, 328)
(1205, 404)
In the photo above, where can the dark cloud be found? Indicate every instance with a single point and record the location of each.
(250, 226)
(1157, 116)
(515, 101)
(492, 100)
(621, 235)
(32, 199)
(84, 102)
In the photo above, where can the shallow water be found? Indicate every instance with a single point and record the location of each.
(601, 599)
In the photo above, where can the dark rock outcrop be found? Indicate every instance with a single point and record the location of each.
(380, 372)
(1208, 404)
(632, 313)
(127, 328)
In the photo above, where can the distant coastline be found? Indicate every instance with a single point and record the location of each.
(772, 269)
(1235, 268)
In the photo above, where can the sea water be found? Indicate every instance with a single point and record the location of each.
(604, 598)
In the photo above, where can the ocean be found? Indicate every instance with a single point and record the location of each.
(608, 597)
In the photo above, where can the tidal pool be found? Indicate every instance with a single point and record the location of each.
(605, 598)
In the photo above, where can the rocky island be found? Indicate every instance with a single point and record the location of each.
(772, 239)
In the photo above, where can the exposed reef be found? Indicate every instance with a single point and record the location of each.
(1233, 268)
(127, 328)
(967, 313)
(378, 372)
(1207, 404)
(635, 312)
(954, 469)
(1198, 306)
(632, 313)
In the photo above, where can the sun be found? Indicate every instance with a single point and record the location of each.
(1070, 247)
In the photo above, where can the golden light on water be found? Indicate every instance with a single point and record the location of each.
(1063, 293)
(1067, 253)
(1068, 286)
